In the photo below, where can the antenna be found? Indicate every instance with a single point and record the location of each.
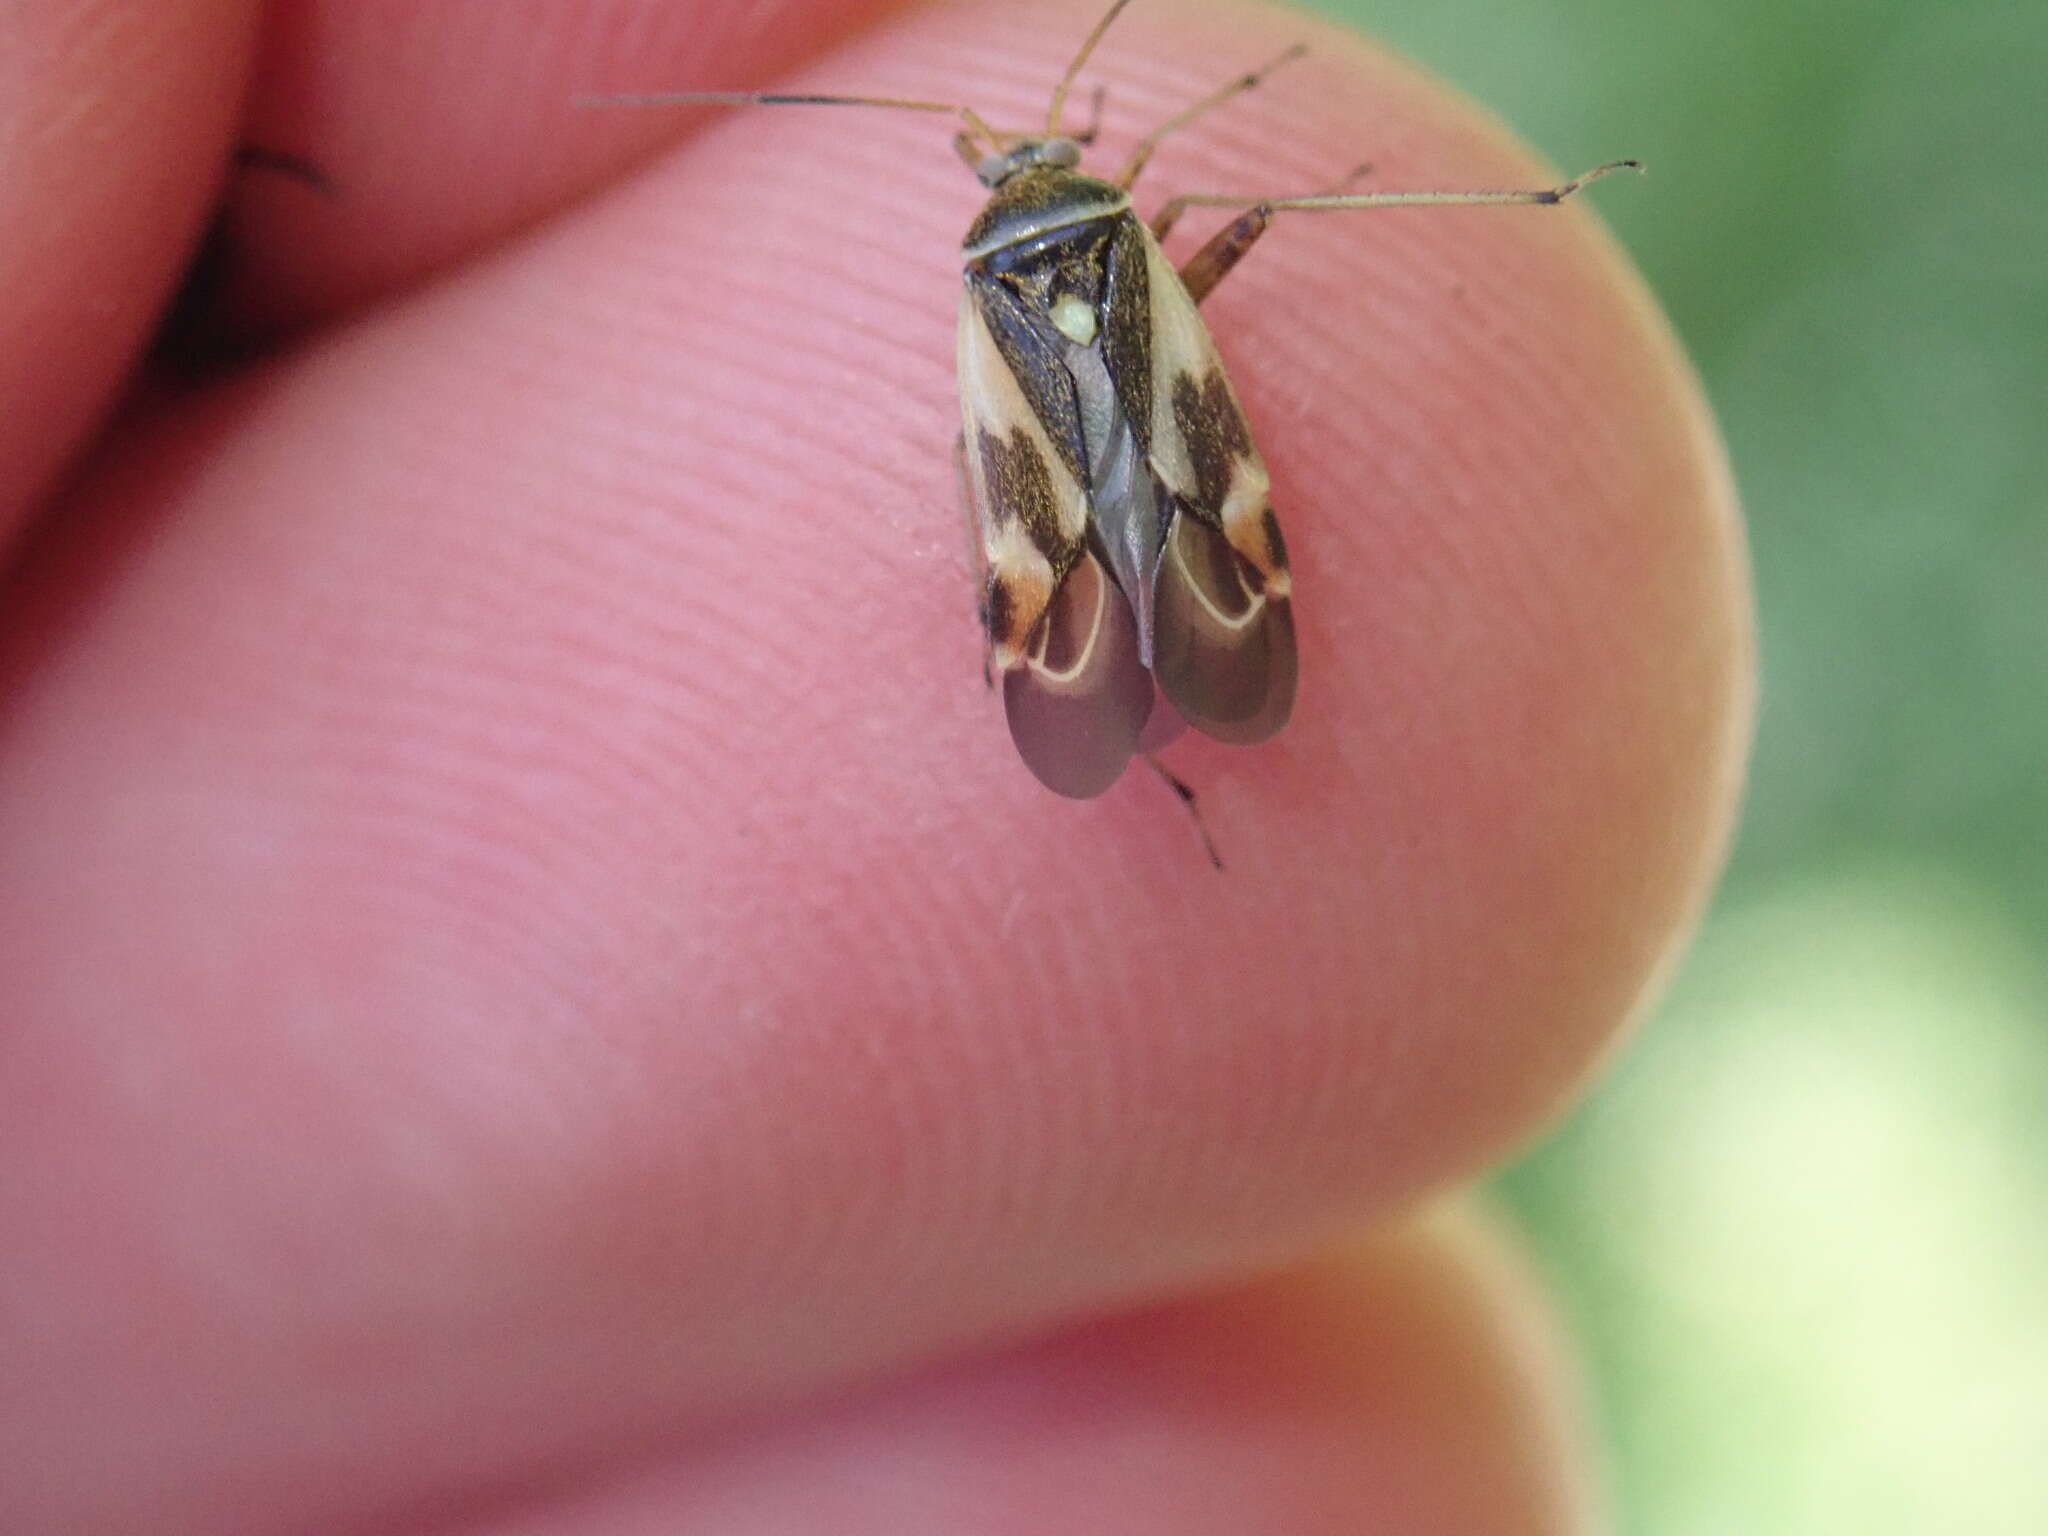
(966, 115)
(1059, 93)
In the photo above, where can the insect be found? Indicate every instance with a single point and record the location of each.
(1133, 577)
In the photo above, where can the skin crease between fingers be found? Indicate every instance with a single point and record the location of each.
(444, 126)
(534, 934)
(113, 119)
(1412, 1383)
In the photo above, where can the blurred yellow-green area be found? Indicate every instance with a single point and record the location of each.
(1801, 1223)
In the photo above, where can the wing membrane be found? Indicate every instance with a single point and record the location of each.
(1078, 704)
(1223, 647)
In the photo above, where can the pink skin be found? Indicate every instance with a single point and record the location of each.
(526, 940)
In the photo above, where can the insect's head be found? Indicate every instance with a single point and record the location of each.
(1054, 149)
(1059, 151)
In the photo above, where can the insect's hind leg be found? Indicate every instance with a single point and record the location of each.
(1229, 245)
(1326, 201)
(1186, 796)
(1226, 248)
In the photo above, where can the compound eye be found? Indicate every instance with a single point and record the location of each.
(1061, 152)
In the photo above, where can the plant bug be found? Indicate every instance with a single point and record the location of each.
(1133, 577)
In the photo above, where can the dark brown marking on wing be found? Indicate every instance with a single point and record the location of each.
(1024, 335)
(1127, 327)
(1215, 434)
(1020, 488)
(1276, 547)
(998, 608)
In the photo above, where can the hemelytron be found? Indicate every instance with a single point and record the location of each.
(1133, 577)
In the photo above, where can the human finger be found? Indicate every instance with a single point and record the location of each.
(537, 724)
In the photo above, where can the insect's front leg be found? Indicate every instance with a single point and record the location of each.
(969, 148)
(1089, 134)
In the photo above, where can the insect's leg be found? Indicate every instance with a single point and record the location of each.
(1226, 248)
(1075, 65)
(1326, 201)
(964, 147)
(1087, 135)
(1187, 798)
(1209, 265)
(1168, 216)
(1210, 102)
(977, 565)
(254, 157)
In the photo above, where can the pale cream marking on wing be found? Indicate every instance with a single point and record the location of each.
(1180, 344)
(1026, 575)
(1244, 521)
(1254, 607)
(991, 399)
(1084, 653)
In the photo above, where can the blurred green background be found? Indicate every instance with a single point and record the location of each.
(1800, 1225)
